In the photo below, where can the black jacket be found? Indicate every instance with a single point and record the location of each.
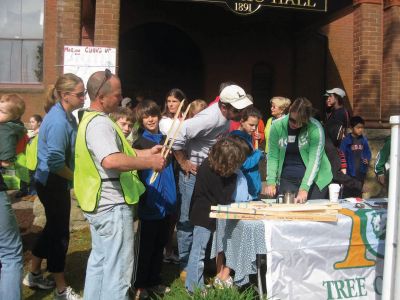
(209, 189)
(332, 151)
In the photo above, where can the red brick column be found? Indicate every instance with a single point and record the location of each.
(50, 42)
(391, 59)
(69, 27)
(367, 59)
(106, 32)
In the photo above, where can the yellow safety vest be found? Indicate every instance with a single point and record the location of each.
(87, 181)
(31, 153)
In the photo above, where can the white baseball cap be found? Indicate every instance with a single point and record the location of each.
(337, 91)
(235, 96)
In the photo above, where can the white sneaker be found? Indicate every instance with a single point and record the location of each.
(38, 281)
(222, 284)
(68, 294)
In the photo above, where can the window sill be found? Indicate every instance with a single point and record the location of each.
(21, 88)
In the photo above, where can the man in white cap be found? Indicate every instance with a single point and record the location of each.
(191, 147)
(335, 112)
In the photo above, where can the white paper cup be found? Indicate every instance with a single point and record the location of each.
(334, 190)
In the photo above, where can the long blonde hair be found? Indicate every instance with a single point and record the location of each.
(65, 83)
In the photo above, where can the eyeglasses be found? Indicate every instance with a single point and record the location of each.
(79, 95)
(107, 76)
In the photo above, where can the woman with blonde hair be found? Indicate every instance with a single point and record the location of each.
(53, 177)
(296, 160)
(279, 108)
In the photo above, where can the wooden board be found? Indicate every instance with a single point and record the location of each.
(278, 208)
(287, 216)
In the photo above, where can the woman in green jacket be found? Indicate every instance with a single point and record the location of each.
(296, 160)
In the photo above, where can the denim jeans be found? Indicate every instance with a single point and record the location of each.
(184, 230)
(195, 267)
(110, 265)
(10, 252)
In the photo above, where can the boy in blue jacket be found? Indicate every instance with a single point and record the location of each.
(155, 205)
(358, 155)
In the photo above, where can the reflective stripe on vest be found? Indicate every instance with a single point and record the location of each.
(87, 181)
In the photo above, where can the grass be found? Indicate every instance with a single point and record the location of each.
(178, 292)
(78, 253)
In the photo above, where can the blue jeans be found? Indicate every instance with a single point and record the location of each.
(10, 252)
(195, 267)
(184, 230)
(110, 265)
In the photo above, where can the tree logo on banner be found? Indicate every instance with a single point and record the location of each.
(368, 229)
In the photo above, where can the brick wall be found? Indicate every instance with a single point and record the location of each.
(391, 61)
(339, 69)
(69, 27)
(367, 60)
(107, 23)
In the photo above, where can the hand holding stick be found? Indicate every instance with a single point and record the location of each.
(176, 116)
(170, 143)
(257, 136)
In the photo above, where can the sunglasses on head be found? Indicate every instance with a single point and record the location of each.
(107, 76)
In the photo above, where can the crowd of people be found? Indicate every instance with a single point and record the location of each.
(121, 168)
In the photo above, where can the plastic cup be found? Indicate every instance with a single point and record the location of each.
(334, 190)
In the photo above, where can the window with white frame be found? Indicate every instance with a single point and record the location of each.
(21, 41)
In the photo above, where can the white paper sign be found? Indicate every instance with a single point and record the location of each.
(83, 61)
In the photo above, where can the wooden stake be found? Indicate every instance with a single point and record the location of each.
(168, 148)
(176, 116)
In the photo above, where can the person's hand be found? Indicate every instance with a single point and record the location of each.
(256, 135)
(365, 161)
(270, 190)
(157, 162)
(301, 196)
(189, 167)
(381, 179)
(156, 149)
(5, 164)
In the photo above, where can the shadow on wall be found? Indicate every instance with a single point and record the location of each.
(156, 57)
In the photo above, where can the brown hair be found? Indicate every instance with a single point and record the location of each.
(244, 146)
(147, 108)
(16, 105)
(65, 83)
(250, 112)
(122, 112)
(303, 107)
(226, 157)
(196, 106)
(178, 94)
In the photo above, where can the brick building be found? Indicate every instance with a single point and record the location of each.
(192, 45)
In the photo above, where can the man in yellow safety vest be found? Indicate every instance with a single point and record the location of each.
(107, 186)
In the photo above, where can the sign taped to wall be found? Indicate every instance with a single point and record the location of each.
(83, 61)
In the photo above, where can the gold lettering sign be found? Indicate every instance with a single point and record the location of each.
(246, 7)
